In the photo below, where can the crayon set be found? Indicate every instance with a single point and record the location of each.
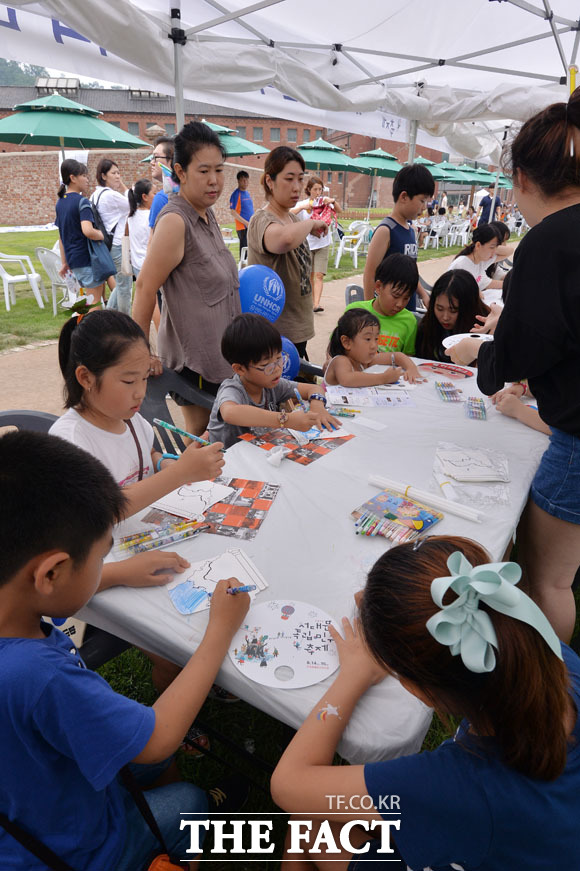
(448, 391)
(475, 408)
(373, 524)
(170, 533)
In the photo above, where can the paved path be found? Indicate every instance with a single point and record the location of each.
(30, 377)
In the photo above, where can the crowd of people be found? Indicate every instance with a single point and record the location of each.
(495, 656)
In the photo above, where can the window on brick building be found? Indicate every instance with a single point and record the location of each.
(133, 128)
(319, 134)
(170, 129)
(258, 134)
(241, 132)
(292, 134)
(306, 135)
(274, 134)
(328, 177)
(340, 177)
(115, 123)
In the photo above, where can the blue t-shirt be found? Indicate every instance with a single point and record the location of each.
(64, 736)
(246, 206)
(485, 204)
(68, 220)
(402, 241)
(159, 201)
(470, 809)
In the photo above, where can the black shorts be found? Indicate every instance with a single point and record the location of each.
(196, 380)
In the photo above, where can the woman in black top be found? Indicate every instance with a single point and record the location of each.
(538, 338)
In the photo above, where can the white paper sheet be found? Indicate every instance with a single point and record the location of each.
(191, 500)
(192, 593)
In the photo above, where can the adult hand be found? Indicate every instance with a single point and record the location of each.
(464, 352)
(227, 611)
(488, 323)
(355, 658)
(151, 569)
(319, 229)
(155, 366)
(63, 270)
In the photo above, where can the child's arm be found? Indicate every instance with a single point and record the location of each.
(305, 775)
(179, 704)
(347, 377)
(249, 415)
(397, 358)
(150, 569)
(378, 247)
(64, 268)
(511, 406)
(324, 420)
(195, 464)
(91, 232)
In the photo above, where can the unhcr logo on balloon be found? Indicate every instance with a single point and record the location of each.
(262, 292)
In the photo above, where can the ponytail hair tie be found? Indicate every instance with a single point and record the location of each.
(469, 631)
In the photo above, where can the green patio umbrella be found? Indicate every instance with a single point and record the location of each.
(378, 162)
(56, 120)
(322, 155)
(234, 145)
(437, 173)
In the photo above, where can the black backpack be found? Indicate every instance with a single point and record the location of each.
(100, 224)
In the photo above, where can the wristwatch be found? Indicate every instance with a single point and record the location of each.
(320, 396)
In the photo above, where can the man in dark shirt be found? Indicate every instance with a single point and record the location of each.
(485, 208)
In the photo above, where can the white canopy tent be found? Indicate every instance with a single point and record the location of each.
(459, 68)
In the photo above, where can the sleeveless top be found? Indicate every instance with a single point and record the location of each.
(200, 297)
(403, 241)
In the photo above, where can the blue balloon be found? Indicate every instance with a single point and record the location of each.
(291, 359)
(262, 292)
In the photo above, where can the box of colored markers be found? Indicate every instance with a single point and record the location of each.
(394, 516)
(162, 536)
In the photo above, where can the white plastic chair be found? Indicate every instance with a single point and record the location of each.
(356, 240)
(459, 233)
(51, 263)
(27, 276)
(243, 261)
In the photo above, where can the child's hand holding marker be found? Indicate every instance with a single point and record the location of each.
(226, 612)
(201, 463)
(392, 374)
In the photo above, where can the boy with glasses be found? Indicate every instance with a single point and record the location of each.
(162, 153)
(255, 395)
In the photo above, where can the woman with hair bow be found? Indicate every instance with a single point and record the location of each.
(504, 793)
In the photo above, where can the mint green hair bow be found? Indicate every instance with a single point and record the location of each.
(467, 630)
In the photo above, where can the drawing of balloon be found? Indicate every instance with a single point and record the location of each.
(287, 611)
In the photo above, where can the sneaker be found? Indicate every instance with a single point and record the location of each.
(230, 794)
(221, 695)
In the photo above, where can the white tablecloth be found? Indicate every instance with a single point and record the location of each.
(307, 549)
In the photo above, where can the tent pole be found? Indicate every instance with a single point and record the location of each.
(179, 39)
(371, 195)
(492, 209)
(62, 146)
(412, 141)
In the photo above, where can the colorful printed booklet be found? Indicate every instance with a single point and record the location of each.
(392, 515)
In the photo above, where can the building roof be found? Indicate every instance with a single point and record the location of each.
(124, 100)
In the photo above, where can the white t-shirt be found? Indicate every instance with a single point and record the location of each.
(476, 269)
(139, 230)
(117, 451)
(113, 208)
(315, 242)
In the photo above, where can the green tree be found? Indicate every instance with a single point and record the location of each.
(13, 73)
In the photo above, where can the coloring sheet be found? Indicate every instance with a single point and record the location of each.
(192, 500)
(285, 644)
(191, 594)
(472, 464)
(314, 433)
(368, 396)
(303, 454)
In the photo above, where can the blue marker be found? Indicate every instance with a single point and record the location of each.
(232, 590)
(303, 405)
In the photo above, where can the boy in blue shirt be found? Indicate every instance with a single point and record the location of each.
(242, 207)
(412, 187)
(65, 734)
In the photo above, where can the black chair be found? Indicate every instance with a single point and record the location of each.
(155, 405)
(37, 421)
(425, 285)
(98, 646)
(353, 293)
(310, 370)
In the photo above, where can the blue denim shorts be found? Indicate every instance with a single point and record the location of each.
(84, 276)
(556, 486)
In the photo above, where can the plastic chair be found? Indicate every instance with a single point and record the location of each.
(51, 263)
(35, 421)
(27, 276)
(353, 242)
(155, 405)
(353, 293)
(243, 261)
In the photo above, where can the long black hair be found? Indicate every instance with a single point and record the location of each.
(97, 342)
(482, 234)
(460, 288)
(68, 168)
(350, 324)
(135, 194)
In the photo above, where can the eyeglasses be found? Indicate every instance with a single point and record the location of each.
(156, 157)
(270, 368)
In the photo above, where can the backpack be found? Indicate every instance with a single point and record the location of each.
(100, 224)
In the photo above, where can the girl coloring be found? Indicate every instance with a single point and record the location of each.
(483, 251)
(462, 637)
(454, 307)
(353, 347)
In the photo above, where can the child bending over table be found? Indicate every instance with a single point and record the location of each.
(465, 640)
(353, 348)
(254, 395)
(65, 734)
